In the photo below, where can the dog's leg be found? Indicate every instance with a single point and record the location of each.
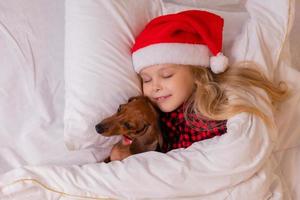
(120, 151)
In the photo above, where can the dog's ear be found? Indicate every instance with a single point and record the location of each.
(146, 141)
(137, 97)
(133, 98)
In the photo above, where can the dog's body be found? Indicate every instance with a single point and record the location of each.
(137, 122)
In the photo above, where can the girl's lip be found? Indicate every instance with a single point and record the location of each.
(162, 98)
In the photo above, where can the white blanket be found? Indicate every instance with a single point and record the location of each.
(223, 167)
(238, 165)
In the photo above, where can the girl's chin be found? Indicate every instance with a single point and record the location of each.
(166, 108)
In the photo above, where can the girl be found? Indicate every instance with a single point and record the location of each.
(178, 58)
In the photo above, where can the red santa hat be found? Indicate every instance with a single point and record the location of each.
(191, 37)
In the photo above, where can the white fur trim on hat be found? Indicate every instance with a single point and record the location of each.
(218, 63)
(171, 53)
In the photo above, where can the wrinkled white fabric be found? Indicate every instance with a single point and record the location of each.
(32, 85)
(237, 165)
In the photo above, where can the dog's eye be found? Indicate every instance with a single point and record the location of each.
(128, 125)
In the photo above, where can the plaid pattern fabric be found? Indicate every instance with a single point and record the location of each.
(181, 133)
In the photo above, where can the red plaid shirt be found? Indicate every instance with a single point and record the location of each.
(180, 133)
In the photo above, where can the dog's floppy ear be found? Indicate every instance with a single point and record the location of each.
(133, 98)
(146, 141)
(137, 97)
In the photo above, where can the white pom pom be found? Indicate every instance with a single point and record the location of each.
(218, 63)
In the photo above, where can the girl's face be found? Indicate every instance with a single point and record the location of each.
(167, 85)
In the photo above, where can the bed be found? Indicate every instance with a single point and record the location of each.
(62, 71)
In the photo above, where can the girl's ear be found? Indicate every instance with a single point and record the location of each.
(195, 86)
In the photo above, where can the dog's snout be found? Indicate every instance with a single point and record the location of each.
(100, 128)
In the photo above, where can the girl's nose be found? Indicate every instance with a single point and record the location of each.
(157, 89)
(156, 86)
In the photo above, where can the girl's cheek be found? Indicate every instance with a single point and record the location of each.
(145, 90)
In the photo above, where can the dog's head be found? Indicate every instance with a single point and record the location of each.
(137, 122)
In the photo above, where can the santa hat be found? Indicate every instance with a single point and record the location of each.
(191, 37)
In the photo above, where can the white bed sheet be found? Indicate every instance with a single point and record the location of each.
(32, 90)
(32, 85)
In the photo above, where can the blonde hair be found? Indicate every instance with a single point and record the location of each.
(221, 96)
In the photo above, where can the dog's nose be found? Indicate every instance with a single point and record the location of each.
(100, 128)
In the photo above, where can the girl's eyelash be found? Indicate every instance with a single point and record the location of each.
(163, 76)
(168, 76)
(146, 81)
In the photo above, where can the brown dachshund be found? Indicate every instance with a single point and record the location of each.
(137, 122)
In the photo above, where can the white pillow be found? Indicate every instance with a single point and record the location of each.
(98, 71)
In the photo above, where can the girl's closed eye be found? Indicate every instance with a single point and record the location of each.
(167, 74)
(146, 79)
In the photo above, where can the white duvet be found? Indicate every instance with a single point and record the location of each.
(224, 167)
(241, 164)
